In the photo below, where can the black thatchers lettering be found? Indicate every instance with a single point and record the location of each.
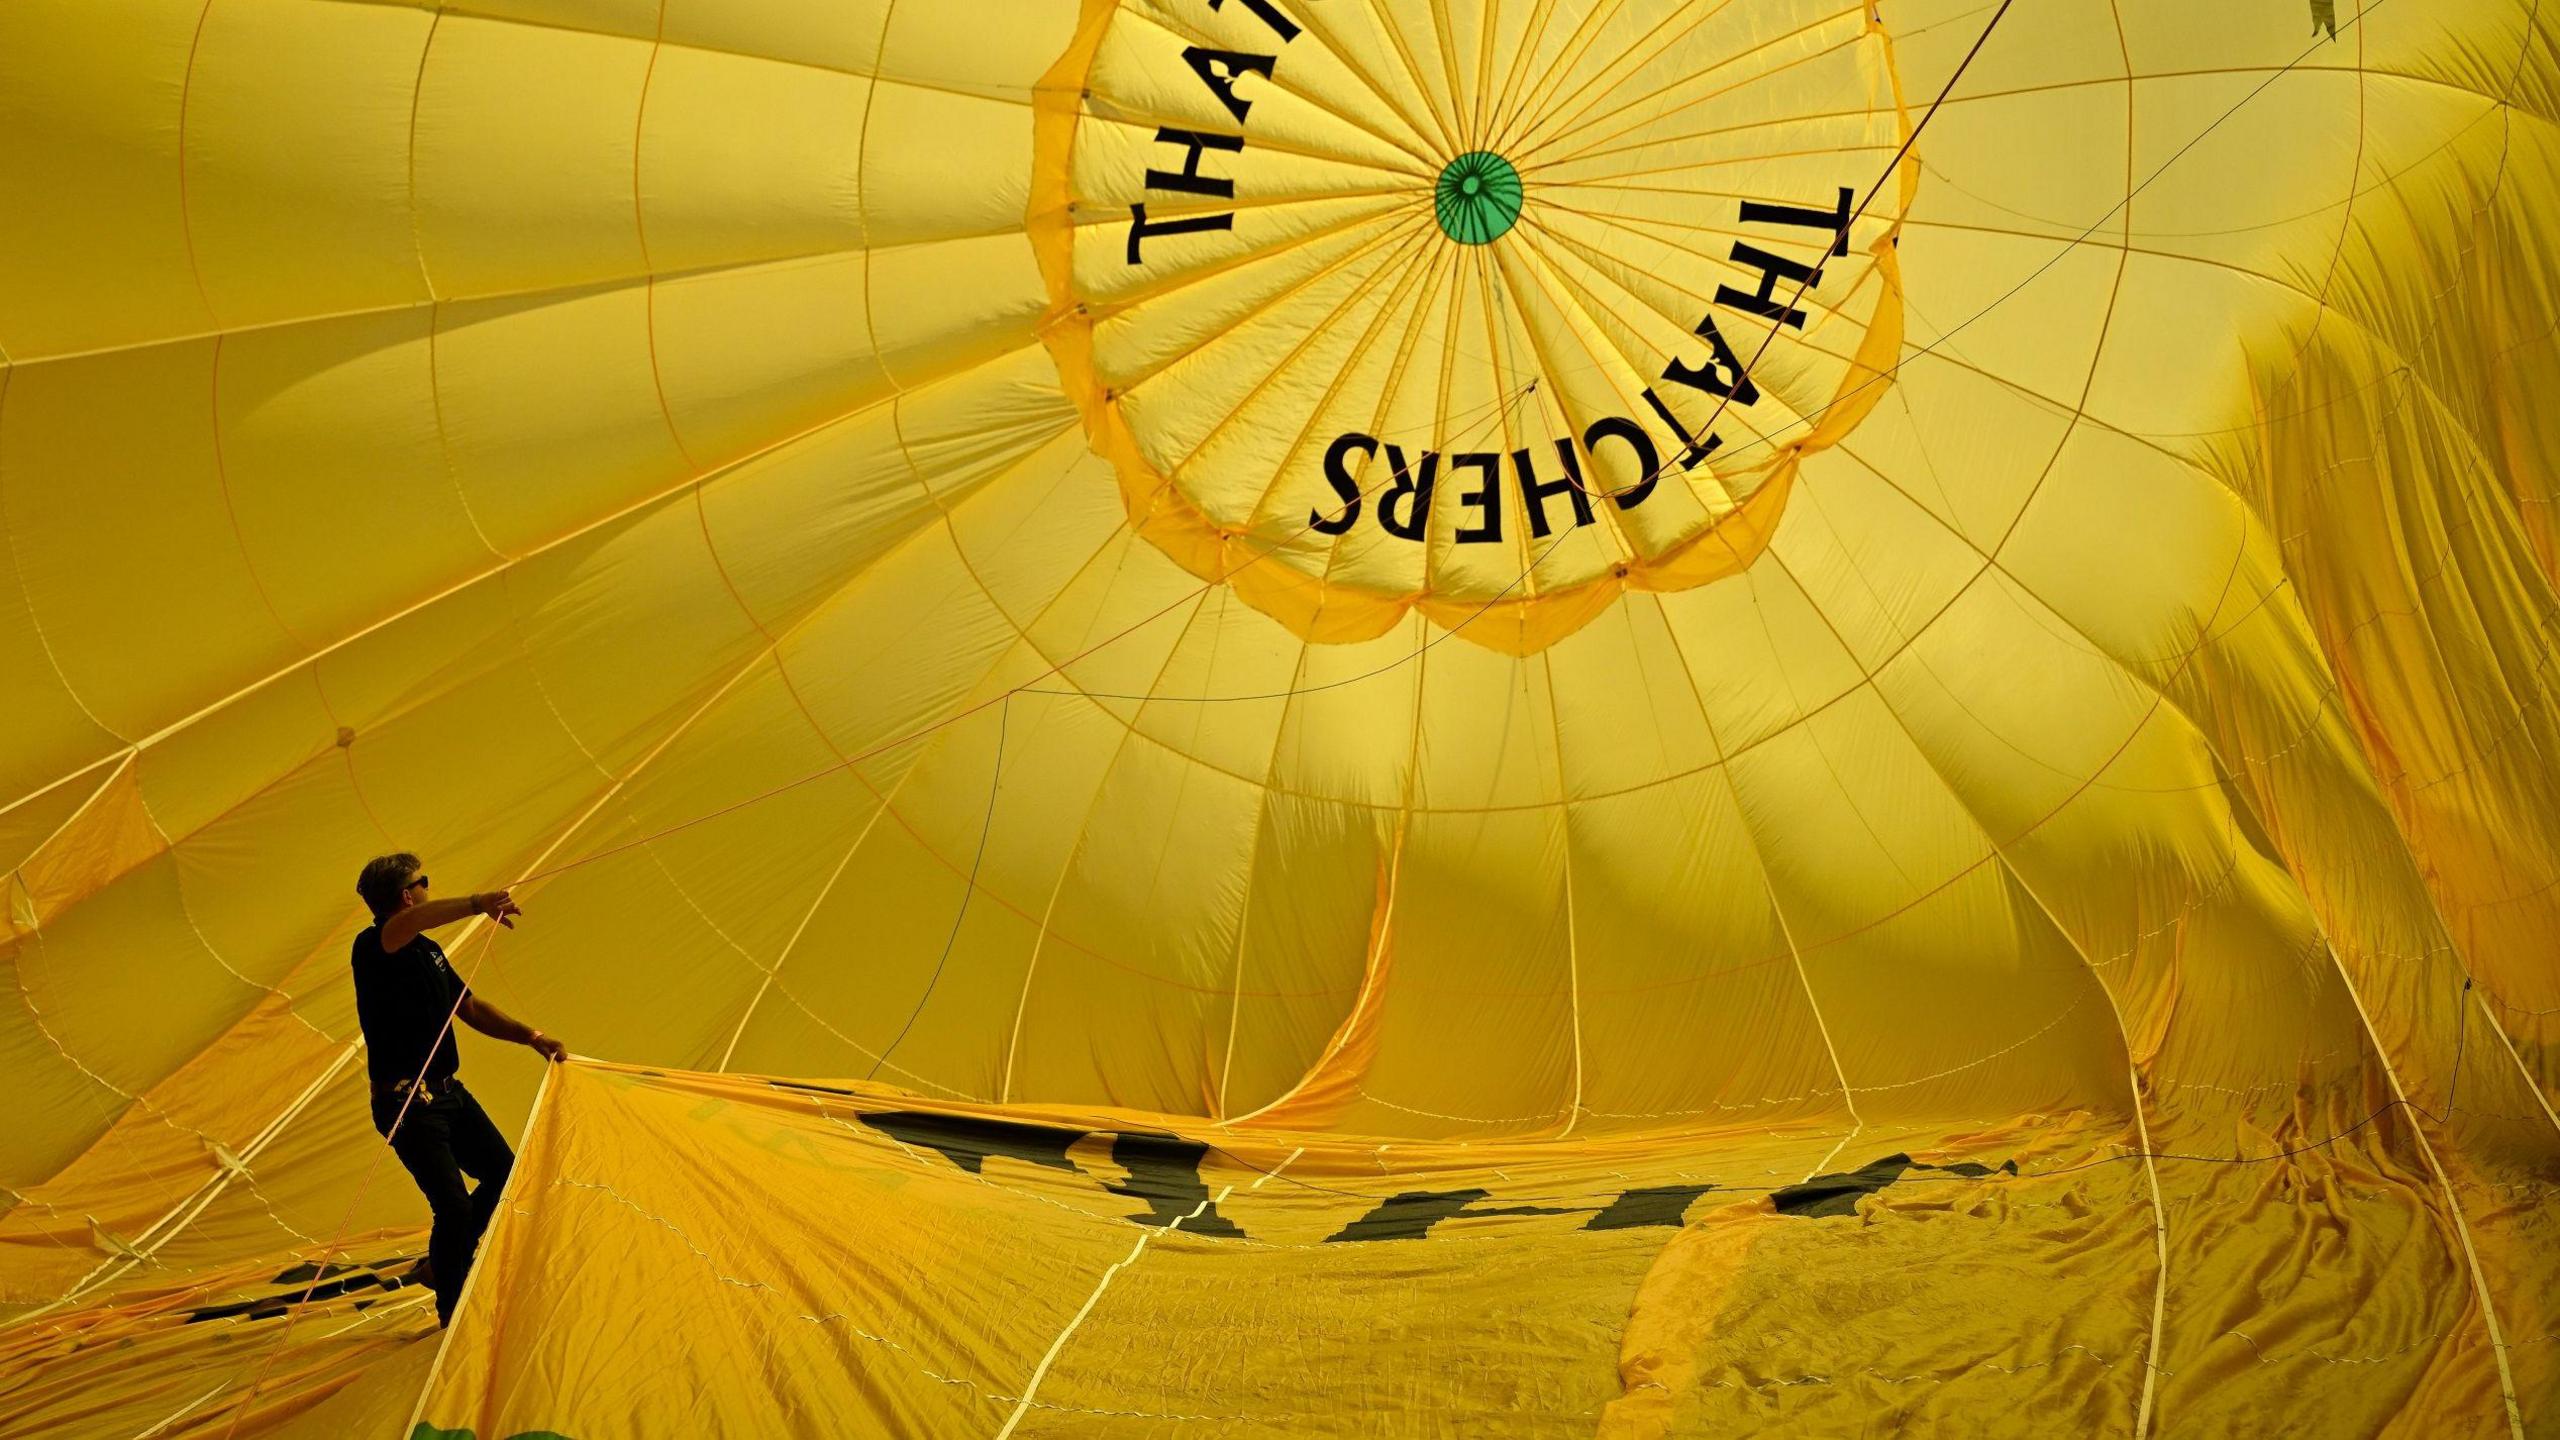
(1413, 488)
(1723, 374)
(1142, 229)
(1410, 1215)
(1404, 503)
(967, 1140)
(1648, 459)
(1188, 179)
(1692, 449)
(1837, 1194)
(1218, 70)
(1164, 1171)
(1344, 483)
(1773, 269)
(1534, 491)
(1221, 69)
(1663, 1205)
(1269, 14)
(1485, 499)
(1726, 374)
(1835, 219)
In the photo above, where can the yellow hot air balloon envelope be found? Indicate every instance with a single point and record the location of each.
(1291, 717)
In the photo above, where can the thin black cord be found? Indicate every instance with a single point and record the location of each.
(986, 827)
(1804, 421)
(2461, 1031)
(1839, 236)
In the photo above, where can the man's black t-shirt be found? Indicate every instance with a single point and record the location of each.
(403, 1000)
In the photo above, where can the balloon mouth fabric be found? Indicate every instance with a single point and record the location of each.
(1276, 297)
(1478, 198)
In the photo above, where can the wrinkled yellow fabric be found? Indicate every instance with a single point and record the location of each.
(924, 1267)
(747, 471)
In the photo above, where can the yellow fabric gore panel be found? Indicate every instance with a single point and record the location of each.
(1290, 717)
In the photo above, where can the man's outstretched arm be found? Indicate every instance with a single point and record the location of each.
(405, 925)
(497, 1024)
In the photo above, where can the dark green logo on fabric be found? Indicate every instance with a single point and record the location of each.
(1478, 198)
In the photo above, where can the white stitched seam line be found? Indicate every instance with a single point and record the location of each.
(1031, 1387)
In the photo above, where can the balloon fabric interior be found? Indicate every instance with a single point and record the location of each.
(1291, 717)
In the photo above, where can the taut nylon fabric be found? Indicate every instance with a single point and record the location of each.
(1869, 748)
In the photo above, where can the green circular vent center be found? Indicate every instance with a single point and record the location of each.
(1478, 198)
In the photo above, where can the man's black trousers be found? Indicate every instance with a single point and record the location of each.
(441, 1142)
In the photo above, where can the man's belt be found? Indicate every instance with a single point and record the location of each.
(405, 1088)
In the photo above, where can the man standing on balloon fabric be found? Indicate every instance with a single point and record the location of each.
(407, 998)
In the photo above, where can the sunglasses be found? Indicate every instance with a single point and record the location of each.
(416, 884)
